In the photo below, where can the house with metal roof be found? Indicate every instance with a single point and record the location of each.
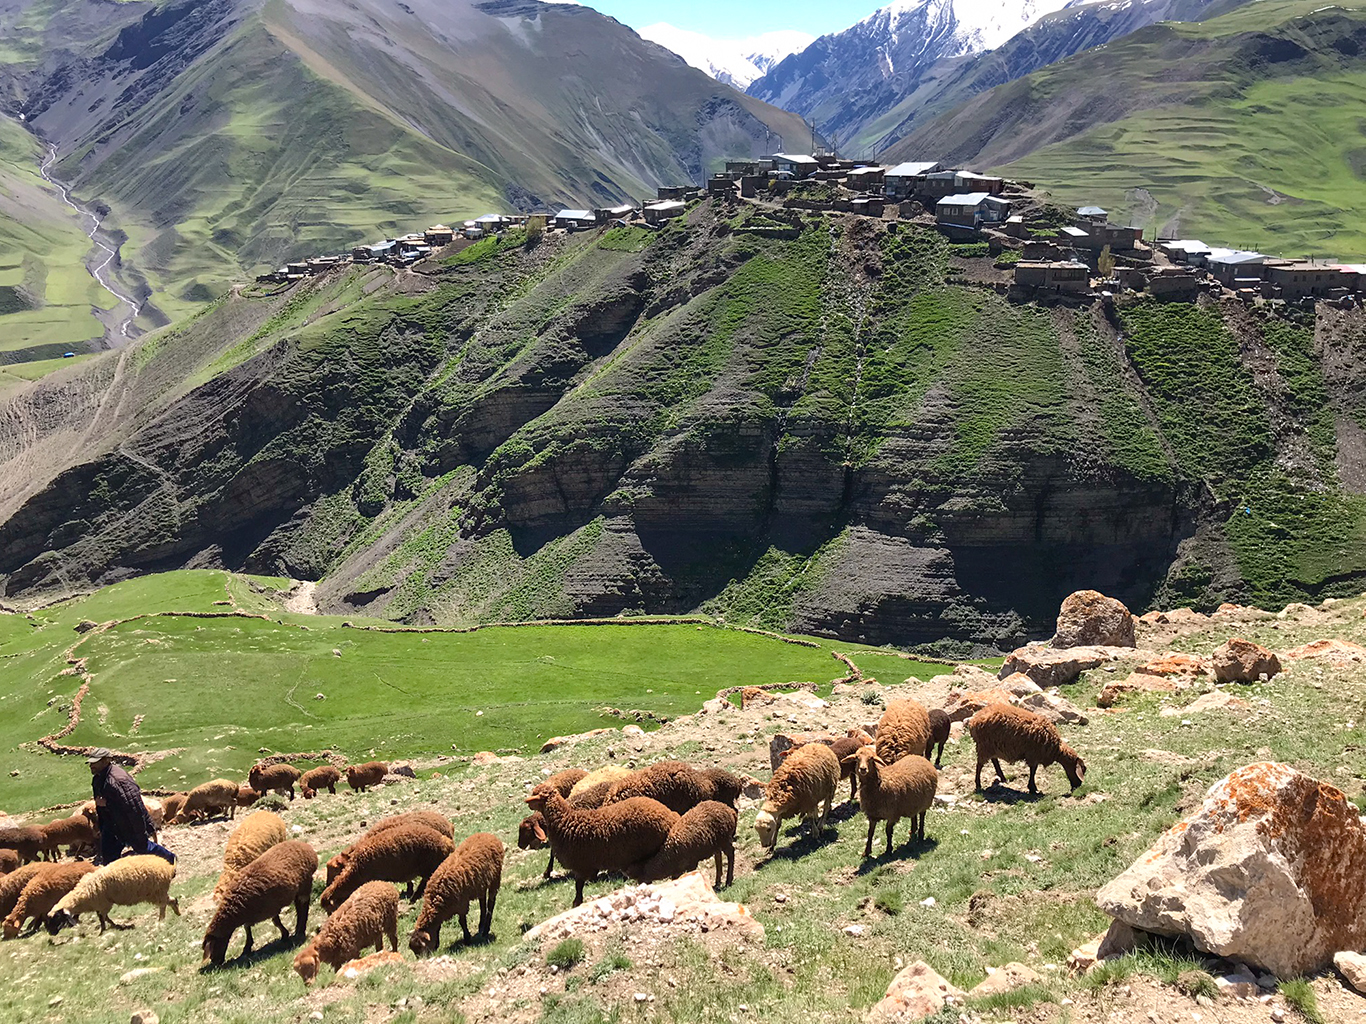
(572, 220)
(1092, 213)
(1183, 250)
(1238, 267)
(900, 181)
(799, 165)
(938, 184)
(611, 213)
(657, 213)
(971, 211)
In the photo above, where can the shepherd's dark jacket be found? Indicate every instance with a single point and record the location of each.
(123, 812)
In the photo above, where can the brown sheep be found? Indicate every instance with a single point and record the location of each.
(903, 729)
(807, 778)
(246, 796)
(395, 855)
(940, 726)
(361, 777)
(218, 796)
(591, 790)
(256, 834)
(678, 786)
(323, 777)
(25, 840)
(566, 780)
(432, 819)
(280, 876)
(609, 838)
(12, 884)
(707, 830)
(9, 861)
(43, 892)
(171, 806)
(370, 914)
(843, 749)
(76, 833)
(531, 836)
(890, 792)
(1005, 732)
(473, 872)
(275, 778)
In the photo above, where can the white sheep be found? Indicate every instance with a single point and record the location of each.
(805, 780)
(124, 883)
(890, 792)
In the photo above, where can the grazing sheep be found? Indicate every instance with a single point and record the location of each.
(256, 834)
(394, 855)
(13, 882)
(903, 729)
(246, 796)
(323, 777)
(76, 833)
(275, 778)
(9, 861)
(368, 915)
(591, 790)
(361, 777)
(43, 892)
(531, 835)
(707, 830)
(125, 883)
(939, 733)
(25, 840)
(171, 807)
(433, 820)
(1005, 732)
(720, 785)
(806, 779)
(280, 876)
(473, 872)
(890, 792)
(844, 748)
(608, 838)
(678, 786)
(566, 780)
(207, 799)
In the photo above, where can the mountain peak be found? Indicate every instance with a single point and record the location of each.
(735, 62)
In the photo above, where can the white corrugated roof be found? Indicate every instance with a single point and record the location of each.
(912, 168)
(575, 214)
(965, 199)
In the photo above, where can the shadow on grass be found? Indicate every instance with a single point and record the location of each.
(913, 849)
(999, 793)
(262, 952)
(844, 812)
(802, 845)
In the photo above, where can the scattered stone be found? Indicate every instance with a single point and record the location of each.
(916, 992)
(1238, 985)
(144, 1017)
(928, 901)
(684, 903)
(1085, 956)
(1277, 1015)
(136, 973)
(555, 742)
(1054, 707)
(1004, 979)
(353, 969)
(855, 931)
(1019, 685)
(485, 757)
(55, 1001)
(85, 626)
(1050, 667)
(963, 704)
(1271, 871)
(1242, 661)
(316, 1015)
(1339, 653)
(1351, 966)
(1294, 611)
(1117, 940)
(632, 730)
(1088, 618)
(1135, 682)
(1214, 700)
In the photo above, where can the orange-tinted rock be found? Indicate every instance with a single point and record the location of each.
(963, 704)
(1337, 652)
(1135, 682)
(1242, 661)
(1177, 666)
(1271, 871)
(355, 968)
(1088, 618)
(916, 992)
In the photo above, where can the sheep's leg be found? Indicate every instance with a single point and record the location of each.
(421, 887)
(923, 816)
(551, 866)
(578, 891)
(891, 827)
(408, 892)
(980, 761)
(940, 756)
(717, 861)
(493, 902)
(853, 788)
(868, 846)
(284, 932)
(465, 924)
(483, 914)
(174, 904)
(301, 910)
(730, 862)
(1032, 769)
(248, 947)
(104, 921)
(997, 765)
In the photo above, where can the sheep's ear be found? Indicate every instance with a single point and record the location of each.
(877, 760)
(849, 758)
(541, 837)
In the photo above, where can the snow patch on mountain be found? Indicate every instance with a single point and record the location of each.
(736, 62)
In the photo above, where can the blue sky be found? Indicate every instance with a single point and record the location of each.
(733, 19)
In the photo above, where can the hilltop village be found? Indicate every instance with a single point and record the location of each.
(1043, 250)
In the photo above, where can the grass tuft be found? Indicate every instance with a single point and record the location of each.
(566, 954)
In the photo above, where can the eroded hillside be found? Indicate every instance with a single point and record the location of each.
(820, 424)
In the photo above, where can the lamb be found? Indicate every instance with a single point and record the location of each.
(394, 855)
(207, 799)
(361, 777)
(280, 876)
(608, 838)
(889, 793)
(43, 892)
(903, 729)
(12, 884)
(171, 807)
(678, 786)
(77, 833)
(256, 834)
(1003, 731)
(124, 883)
(246, 796)
(24, 840)
(368, 915)
(592, 789)
(433, 820)
(566, 780)
(707, 830)
(939, 733)
(275, 778)
(844, 748)
(473, 872)
(9, 861)
(323, 777)
(805, 780)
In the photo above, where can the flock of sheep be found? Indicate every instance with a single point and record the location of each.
(653, 823)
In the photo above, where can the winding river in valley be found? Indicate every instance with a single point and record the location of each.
(98, 270)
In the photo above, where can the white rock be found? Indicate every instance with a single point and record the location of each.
(1351, 966)
(144, 1017)
(855, 930)
(916, 992)
(136, 973)
(928, 901)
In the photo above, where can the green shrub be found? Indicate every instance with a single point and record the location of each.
(566, 954)
(1300, 995)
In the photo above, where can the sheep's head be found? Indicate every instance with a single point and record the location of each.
(867, 761)
(309, 793)
(540, 796)
(421, 942)
(215, 949)
(335, 866)
(766, 826)
(1073, 765)
(306, 964)
(531, 833)
(59, 919)
(11, 926)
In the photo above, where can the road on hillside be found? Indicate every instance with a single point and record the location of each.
(99, 268)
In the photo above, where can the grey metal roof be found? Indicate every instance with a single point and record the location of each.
(575, 215)
(965, 199)
(795, 158)
(912, 168)
(1239, 258)
(1091, 211)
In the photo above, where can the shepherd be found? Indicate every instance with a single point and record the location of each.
(120, 812)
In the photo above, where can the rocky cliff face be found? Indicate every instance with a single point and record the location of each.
(822, 434)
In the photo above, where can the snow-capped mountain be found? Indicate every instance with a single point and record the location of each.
(736, 62)
(850, 80)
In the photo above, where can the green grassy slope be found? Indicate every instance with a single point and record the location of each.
(208, 666)
(1242, 129)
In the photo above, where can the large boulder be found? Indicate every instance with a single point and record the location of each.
(1271, 871)
(1090, 619)
(1242, 661)
(916, 992)
(1049, 666)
